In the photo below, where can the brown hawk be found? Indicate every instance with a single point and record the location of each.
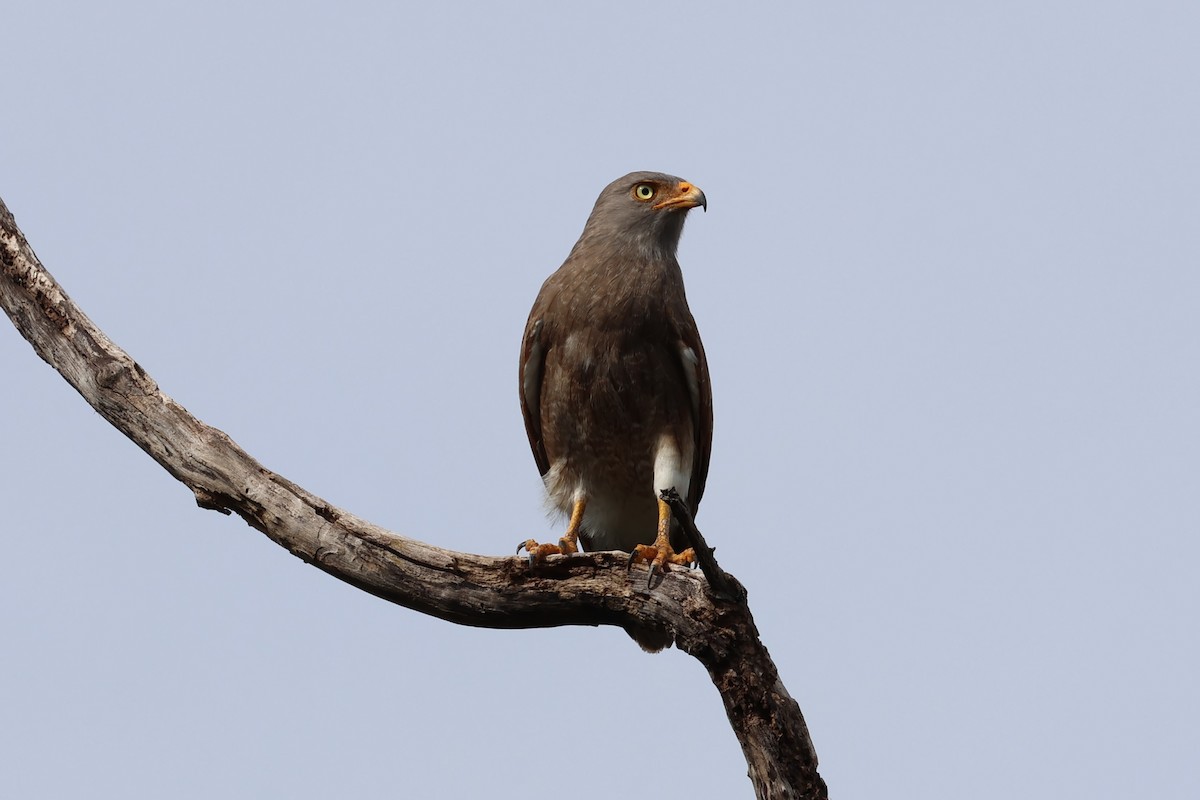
(614, 382)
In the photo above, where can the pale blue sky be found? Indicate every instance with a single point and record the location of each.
(948, 281)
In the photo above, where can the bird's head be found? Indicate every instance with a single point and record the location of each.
(645, 210)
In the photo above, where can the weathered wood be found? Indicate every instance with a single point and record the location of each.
(584, 589)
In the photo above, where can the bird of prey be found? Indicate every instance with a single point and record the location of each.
(614, 382)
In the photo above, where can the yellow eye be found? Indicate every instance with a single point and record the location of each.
(643, 191)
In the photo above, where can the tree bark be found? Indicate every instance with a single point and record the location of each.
(678, 607)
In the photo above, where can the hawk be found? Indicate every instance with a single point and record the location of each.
(614, 382)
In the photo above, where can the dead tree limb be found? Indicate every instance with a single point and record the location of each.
(585, 589)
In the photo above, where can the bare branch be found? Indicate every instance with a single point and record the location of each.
(584, 589)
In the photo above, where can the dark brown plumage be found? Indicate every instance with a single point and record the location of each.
(614, 382)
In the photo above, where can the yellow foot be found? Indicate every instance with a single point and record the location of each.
(661, 553)
(568, 544)
(538, 552)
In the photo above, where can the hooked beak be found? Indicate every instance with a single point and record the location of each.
(686, 195)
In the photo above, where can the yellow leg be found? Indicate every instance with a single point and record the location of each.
(661, 553)
(569, 543)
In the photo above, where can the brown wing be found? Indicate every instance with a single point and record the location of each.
(533, 359)
(696, 364)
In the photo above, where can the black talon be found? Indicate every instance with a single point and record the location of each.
(650, 577)
(520, 547)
